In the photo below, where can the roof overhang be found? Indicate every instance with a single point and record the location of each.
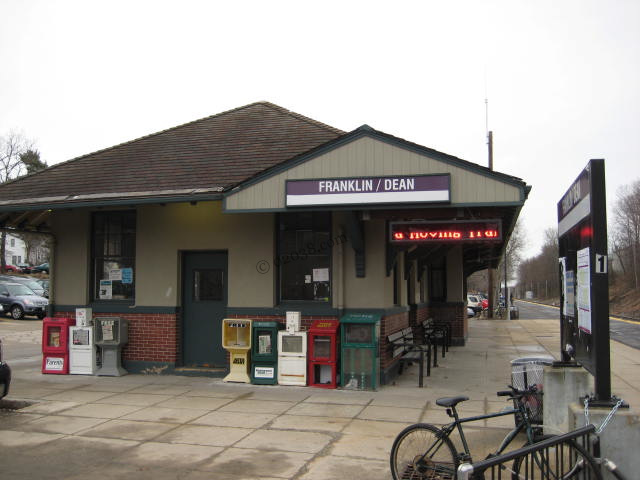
(111, 199)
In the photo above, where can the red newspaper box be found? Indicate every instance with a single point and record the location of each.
(323, 353)
(55, 345)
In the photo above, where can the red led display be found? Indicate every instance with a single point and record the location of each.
(421, 232)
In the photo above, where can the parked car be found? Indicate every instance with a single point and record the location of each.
(5, 375)
(44, 282)
(474, 301)
(32, 283)
(18, 300)
(470, 312)
(42, 268)
(24, 267)
(11, 269)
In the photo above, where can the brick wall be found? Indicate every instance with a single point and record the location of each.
(152, 337)
(454, 314)
(390, 324)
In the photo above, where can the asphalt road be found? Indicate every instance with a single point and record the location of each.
(623, 331)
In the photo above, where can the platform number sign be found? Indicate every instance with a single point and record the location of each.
(582, 248)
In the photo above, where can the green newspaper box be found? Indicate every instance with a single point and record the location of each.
(359, 335)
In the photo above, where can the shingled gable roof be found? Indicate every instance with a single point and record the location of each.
(197, 160)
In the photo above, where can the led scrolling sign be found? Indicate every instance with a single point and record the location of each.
(454, 231)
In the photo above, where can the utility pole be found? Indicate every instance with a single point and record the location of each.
(506, 287)
(491, 281)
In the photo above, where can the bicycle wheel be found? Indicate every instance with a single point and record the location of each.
(566, 461)
(422, 451)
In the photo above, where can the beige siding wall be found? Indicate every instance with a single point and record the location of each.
(163, 232)
(375, 290)
(365, 157)
(71, 257)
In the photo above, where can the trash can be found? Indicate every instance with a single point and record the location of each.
(526, 372)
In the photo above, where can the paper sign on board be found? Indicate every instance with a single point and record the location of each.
(584, 290)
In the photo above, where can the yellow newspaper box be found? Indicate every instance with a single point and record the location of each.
(236, 338)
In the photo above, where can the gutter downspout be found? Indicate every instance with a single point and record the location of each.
(340, 272)
(52, 264)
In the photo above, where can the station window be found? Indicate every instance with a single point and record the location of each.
(304, 256)
(113, 255)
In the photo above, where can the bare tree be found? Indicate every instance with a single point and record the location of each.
(626, 229)
(12, 146)
(540, 273)
(517, 242)
(513, 252)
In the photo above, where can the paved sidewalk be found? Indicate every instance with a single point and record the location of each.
(188, 428)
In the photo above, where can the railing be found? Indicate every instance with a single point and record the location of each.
(557, 457)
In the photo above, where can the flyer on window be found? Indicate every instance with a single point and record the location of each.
(106, 289)
(584, 290)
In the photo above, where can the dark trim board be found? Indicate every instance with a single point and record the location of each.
(307, 310)
(120, 202)
(388, 376)
(116, 308)
(166, 368)
(365, 206)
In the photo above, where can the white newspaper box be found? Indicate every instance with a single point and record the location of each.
(82, 351)
(292, 358)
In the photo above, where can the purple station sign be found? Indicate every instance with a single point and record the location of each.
(368, 190)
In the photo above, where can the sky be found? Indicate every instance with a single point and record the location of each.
(558, 80)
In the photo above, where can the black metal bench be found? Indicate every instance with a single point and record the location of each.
(406, 351)
(437, 333)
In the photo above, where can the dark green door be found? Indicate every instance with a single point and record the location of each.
(204, 305)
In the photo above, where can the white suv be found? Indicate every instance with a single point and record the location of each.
(474, 302)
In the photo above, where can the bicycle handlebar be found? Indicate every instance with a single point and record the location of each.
(514, 392)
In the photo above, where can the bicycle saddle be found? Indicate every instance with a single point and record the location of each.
(451, 401)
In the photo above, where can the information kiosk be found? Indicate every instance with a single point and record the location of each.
(236, 338)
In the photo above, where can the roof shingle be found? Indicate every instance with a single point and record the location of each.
(211, 154)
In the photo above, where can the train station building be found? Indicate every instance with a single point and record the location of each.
(257, 211)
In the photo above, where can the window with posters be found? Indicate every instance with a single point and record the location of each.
(304, 256)
(113, 255)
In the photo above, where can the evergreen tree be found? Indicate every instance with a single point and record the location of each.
(31, 161)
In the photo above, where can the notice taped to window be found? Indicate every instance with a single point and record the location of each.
(583, 292)
(106, 290)
(320, 274)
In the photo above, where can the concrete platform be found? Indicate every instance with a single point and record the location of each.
(170, 427)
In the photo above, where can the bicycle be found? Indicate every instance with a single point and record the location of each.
(425, 451)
